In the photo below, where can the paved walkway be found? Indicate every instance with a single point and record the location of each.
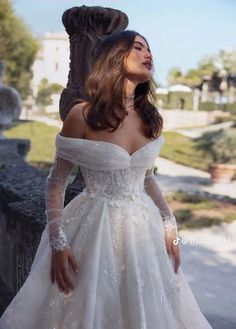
(174, 177)
(208, 259)
(199, 131)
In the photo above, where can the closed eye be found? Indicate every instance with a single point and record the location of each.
(139, 46)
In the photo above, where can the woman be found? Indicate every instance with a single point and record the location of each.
(113, 261)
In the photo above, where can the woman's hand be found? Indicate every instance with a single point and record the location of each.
(60, 261)
(172, 248)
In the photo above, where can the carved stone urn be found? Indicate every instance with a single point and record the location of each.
(10, 103)
(86, 27)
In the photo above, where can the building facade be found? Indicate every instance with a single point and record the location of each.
(52, 61)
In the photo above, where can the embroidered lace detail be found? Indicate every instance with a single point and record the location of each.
(116, 184)
(170, 225)
(59, 242)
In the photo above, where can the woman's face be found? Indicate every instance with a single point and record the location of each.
(138, 63)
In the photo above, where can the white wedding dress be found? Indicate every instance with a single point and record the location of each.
(126, 278)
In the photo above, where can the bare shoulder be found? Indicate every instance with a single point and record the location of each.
(74, 125)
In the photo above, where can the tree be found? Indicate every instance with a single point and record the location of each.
(217, 64)
(206, 66)
(175, 76)
(17, 49)
(45, 92)
(228, 60)
(192, 78)
(224, 60)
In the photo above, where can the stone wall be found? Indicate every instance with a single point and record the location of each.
(21, 215)
(183, 118)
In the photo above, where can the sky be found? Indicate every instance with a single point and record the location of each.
(180, 33)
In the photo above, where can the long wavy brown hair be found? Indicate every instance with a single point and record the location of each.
(104, 88)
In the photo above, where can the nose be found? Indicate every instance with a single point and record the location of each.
(148, 55)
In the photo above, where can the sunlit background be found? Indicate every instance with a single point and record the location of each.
(180, 32)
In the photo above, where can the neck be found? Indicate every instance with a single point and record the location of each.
(129, 96)
(129, 89)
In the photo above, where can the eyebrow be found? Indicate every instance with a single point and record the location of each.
(141, 44)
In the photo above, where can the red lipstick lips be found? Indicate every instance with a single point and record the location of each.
(148, 64)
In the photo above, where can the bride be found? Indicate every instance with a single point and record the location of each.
(109, 259)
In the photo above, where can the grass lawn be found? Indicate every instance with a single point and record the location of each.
(180, 149)
(42, 139)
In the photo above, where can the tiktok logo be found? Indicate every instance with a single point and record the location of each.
(176, 241)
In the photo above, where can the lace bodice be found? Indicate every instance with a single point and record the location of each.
(117, 184)
(109, 171)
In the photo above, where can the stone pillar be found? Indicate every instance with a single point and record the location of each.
(86, 27)
(196, 99)
(205, 89)
(232, 93)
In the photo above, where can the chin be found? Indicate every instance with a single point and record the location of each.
(139, 77)
(144, 79)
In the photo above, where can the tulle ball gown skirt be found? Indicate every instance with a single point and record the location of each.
(126, 279)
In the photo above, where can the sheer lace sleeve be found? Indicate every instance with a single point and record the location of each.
(56, 183)
(153, 190)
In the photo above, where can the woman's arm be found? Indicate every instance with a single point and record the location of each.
(56, 183)
(57, 180)
(153, 190)
(169, 221)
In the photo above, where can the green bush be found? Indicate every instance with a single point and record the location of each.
(201, 222)
(219, 145)
(182, 215)
(210, 106)
(205, 204)
(231, 108)
(195, 200)
(187, 197)
(181, 149)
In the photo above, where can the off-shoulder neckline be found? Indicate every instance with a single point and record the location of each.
(111, 144)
